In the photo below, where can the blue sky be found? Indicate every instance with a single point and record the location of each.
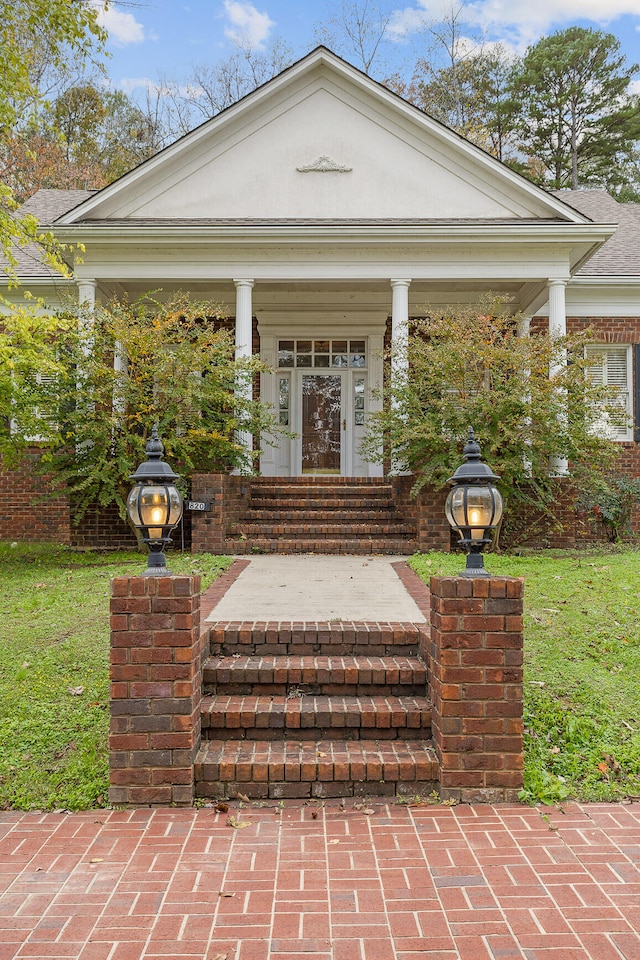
(149, 39)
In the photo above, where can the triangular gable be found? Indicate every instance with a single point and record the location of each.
(322, 141)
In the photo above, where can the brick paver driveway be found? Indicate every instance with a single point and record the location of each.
(372, 881)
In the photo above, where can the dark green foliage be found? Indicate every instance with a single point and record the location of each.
(610, 500)
(578, 121)
(469, 368)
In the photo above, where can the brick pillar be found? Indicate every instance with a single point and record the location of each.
(476, 686)
(155, 689)
(208, 529)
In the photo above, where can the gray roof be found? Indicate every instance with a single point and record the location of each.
(46, 206)
(620, 255)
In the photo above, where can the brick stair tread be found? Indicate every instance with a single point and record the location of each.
(321, 528)
(300, 502)
(306, 670)
(303, 508)
(335, 489)
(317, 638)
(246, 712)
(360, 546)
(256, 763)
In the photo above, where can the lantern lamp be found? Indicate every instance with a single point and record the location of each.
(154, 505)
(474, 506)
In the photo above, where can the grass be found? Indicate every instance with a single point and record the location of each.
(582, 669)
(54, 673)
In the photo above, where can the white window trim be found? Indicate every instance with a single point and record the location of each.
(603, 349)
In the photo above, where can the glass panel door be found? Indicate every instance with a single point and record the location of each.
(321, 416)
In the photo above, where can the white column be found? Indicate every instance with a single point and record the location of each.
(376, 379)
(399, 330)
(87, 302)
(120, 367)
(244, 337)
(87, 293)
(524, 331)
(557, 329)
(399, 341)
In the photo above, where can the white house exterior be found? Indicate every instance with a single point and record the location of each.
(324, 211)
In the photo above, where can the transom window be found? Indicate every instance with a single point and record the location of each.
(331, 354)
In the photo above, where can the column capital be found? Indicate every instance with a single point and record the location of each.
(400, 283)
(87, 291)
(524, 326)
(556, 282)
(243, 283)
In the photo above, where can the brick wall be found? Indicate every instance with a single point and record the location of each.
(24, 513)
(476, 686)
(156, 675)
(228, 496)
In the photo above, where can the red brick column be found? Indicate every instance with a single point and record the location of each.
(476, 686)
(156, 653)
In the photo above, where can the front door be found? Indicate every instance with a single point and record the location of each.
(321, 423)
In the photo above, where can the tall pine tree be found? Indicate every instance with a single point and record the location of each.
(578, 121)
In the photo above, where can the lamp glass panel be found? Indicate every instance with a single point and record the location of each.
(175, 505)
(476, 508)
(154, 509)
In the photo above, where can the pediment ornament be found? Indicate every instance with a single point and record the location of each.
(324, 164)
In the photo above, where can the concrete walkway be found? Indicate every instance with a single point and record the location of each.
(313, 587)
(307, 881)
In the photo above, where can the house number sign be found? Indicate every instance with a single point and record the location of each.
(198, 505)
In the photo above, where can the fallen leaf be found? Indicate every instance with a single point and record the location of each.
(555, 749)
(333, 841)
(97, 860)
(243, 797)
(314, 814)
(75, 691)
(220, 956)
(368, 811)
(221, 807)
(603, 768)
(223, 893)
(238, 824)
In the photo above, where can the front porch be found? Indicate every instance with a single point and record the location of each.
(317, 514)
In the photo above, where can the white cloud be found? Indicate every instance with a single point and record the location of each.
(122, 27)
(519, 21)
(246, 23)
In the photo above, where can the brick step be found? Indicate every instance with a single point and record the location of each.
(294, 717)
(330, 503)
(348, 676)
(280, 509)
(311, 768)
(324, 529)
(336, 489)
(360, 547)
(321, 479)
(317, 638)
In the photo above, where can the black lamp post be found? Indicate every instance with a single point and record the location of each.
(154, 505)
(474, 506)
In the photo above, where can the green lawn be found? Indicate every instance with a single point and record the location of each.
(54, 671)
(582, 669)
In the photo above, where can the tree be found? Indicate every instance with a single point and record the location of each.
(92, 420)
(469, 368)
(358, 29)
(38, 39)
(174, 107)
(472, 96)
(576, 113)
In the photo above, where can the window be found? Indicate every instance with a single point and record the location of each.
(611, 366)
(344, 354)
